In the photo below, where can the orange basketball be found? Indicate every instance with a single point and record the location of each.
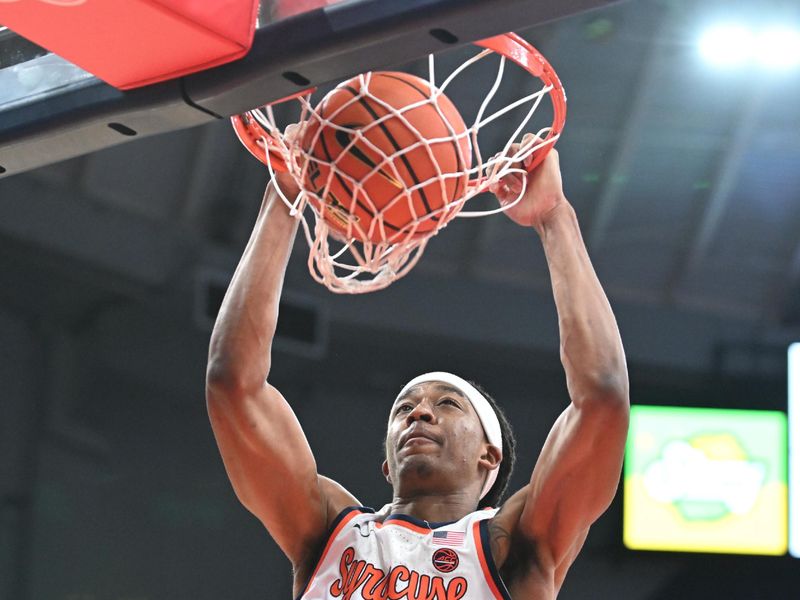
(383, 208)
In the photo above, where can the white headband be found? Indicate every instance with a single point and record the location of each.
(484, 410)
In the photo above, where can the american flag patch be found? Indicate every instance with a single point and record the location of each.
(448, 538)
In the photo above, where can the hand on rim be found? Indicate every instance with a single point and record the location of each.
(543, 192)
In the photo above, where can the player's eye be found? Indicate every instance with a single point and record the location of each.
(448, 400)
(402, 408)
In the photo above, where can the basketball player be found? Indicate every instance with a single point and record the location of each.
(445, 441)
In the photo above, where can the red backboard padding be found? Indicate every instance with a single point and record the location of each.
(137, 42)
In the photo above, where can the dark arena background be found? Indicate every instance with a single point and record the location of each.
(682, 161)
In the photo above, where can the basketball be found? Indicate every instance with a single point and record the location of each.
(385, 157)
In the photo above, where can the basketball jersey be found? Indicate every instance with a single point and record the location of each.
(404, 558)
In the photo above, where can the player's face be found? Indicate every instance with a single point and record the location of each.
(434, 441)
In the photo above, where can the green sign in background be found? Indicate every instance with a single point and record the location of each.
(762, 434)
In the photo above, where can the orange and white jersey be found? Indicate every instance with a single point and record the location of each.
(368, 557)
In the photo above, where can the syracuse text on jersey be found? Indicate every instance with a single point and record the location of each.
(400, 583)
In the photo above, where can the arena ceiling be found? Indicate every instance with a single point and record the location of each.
(686, 180)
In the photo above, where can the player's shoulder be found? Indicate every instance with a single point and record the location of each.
(510, 511)
(503, 527)
(337, 499)
(339, 504)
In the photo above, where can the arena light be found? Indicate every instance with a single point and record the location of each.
(733, 45)
(727, 45)
(778, 48)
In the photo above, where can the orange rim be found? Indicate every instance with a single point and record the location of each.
(529, 58)
(258, 141)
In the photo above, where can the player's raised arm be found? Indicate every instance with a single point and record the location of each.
(578, 470)
(264, 449)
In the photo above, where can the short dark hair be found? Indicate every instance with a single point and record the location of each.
(495, 495)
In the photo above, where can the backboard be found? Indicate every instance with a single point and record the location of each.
(51, 110)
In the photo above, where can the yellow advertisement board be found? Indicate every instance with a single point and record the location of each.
(706, 480)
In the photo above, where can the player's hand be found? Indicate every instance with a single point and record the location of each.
(287, 184)
(283, 179)
(543, 193)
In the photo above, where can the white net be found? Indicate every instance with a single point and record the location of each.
(368, 226)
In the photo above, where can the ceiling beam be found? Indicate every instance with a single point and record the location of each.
(620, 165)
(712, 208)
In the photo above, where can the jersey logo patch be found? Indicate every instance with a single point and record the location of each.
(445, 560)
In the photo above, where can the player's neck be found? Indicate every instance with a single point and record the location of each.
(435, 508)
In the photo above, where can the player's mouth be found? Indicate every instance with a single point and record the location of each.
(417, 437)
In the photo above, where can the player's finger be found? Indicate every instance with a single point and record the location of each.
(501, 190)
(514, 183)
(528, 141)
(291, 132)
(508, 188)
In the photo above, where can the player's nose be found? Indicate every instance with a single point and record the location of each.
(421, 412)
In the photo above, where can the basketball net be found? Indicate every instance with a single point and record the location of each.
(354, 259)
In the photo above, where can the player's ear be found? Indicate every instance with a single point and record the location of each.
(385, 469)
(491, 457)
